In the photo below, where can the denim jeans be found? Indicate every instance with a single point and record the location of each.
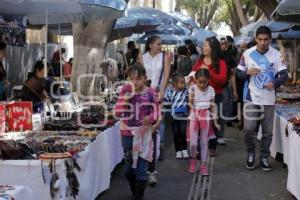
(162, 129)
(221, 122)
(227, 101)
(152, 165)
(140, 173)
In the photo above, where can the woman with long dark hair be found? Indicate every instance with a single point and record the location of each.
(157, 63)
(211, 60)
(194, 54)
(158, 69)
(34, 89)
(135, 57)
(184, 62)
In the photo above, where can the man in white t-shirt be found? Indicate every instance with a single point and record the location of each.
(264, 70)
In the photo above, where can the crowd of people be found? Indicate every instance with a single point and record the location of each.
(189, 89)
(203, 80)
(37, 87)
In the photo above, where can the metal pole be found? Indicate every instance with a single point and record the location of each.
(60, 56)
(295, 57)
(46, 46)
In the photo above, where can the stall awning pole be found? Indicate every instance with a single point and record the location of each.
(60, 56)
(295, 57)
(46, 46)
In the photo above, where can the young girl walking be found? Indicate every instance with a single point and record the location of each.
(177, 96)
(201, 100)
(139, 113)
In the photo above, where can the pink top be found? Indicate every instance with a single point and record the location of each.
(138, 107)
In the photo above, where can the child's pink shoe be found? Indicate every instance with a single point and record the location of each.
(193, 165)
(203, 170)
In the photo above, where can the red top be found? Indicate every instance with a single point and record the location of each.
(67, 69)
(217, 80)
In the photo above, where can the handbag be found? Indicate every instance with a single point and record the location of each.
(161, 73)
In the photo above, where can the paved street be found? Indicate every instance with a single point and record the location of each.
(229, 179)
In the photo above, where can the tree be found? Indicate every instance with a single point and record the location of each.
(89, 44)
(202, 11)
(267, 6)
(90, 40)
(240, 12)
(236, 14)
(228, 15)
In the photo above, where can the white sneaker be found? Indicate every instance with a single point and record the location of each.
(152, 179)
(221, 141)
(185, 154)
(178, 155)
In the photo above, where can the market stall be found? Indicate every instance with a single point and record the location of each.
(286, 140)
(66, 151)
(286, 134)
(96, 163)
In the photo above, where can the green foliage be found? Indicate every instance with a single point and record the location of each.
(222, 15)
(226, 10)
(204, 9)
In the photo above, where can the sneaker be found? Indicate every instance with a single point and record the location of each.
(203, 170)
(265, 165)
(212, 153)
(178, 155)
(193, 165)
(152, 179)
(221, 141)
(185, 154)
(250, 164)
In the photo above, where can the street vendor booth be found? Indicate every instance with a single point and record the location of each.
(68, 149)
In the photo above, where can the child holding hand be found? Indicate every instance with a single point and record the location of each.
(201, 100)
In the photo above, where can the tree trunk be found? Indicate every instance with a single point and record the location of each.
(206, 14)
(199, 16)
(235, 22)
(158, 5)
(240, 12)
(89, 45)
(257, 14)
(178, 7)
(267, 6)
(212, 12)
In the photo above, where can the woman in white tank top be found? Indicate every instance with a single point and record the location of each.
(158, 69)
(154, 62)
